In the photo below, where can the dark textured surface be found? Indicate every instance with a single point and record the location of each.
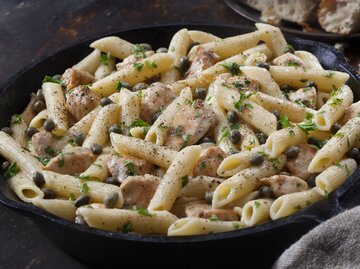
(32, 29)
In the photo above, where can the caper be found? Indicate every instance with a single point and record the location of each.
(354, 154)
(115, 129)
(30, 131)
(292, 152)
(183, 64)
(206, 139)
(112, 180)
(233, 151)
(140, 86)
(7, 130)
(235, 136)
(311, 180)
(39, 106)
(105, 101)
(111, 199)
(162, 50)
(146, 46)
(80, 220)
(193, 44)
(49, 125)
(5, 165)
(200, 93)
(96, 149)
(313, 141)
(82, 200)
(265, 192)
(263, 65)
(276, 113)
(256, 159)
(40, 95)
(336, 127)
(79, 138)
(311, 84)
(38, 179)
(232, 117)
(209, 197)
(155, 116)
(49, 194)
(261, 137)
(285, 88)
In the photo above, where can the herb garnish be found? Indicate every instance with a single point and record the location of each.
(105, 58)
(130, 166)
(84, 187)
(17, 119)
(308, 124)
(12, 170)
(239, 105)
(184, 180)
(233, 68)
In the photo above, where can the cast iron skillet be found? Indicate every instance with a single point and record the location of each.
(257, 246)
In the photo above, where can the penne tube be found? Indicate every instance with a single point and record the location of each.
(105, 69)
(158, 155)
(175, 177)
(196, 226)
(133, 73)
(56, 107)
(23, 186)
(246, 181)
(90, 63)
(334, 176)
(198, 186)
(97, 171)
(311, 62)
(202, 37)
(113, 45)
(273, 38)
(38, 121)
(256, 211)
(130, 108)
(18, 131)
(61, 208)
(289, 204)
(144, 222)
(249, 139)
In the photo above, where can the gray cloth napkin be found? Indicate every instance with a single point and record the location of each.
(333, 244)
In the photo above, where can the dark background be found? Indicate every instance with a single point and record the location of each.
(32, 29)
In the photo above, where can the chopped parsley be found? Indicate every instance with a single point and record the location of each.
(43, 160)
(186, 138)
(224, 134)
(53, 80)
(293, 63)
(233, 68)
(257, 204)
(239, 105)
(234, 126)
(150, 65)
(308, 124)
(61, 162)
(343, 166)
(284, 121)
(275, 162)
(213, 218)
(202, 165)
(105, 58)
(178, 131)
(84, 187)
(236, 225)
(17, 119)
(300, 103)
(142, 211)
(12, 170)
(71, 198)
(225, 85)
(127, 227)
(83, 177)
(139, 51)
(184, 180)
(119, 85)
(251, 145)
(292, 132)
(308, 202)
(50, 151)
(329, 74)
(334, 102)
(339, 134)
(130, 166)
(238, 85)
(138, 66)
(139, 123)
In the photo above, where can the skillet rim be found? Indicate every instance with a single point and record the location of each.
(305, 215)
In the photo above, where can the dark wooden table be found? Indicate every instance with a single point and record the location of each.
(31, 29)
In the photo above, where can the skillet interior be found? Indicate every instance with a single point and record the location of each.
(260, 244)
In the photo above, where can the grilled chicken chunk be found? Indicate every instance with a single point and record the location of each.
(80, 101)
(122, 167)
(202, 60)
(155, 97)
(190, 123)
(282, 184)
(71, 162)
(29, 112)
(132, 59)
(209, 162)
(73, 78)
(139, 190)
(45, 144)
(298, 166)
(288, 59)
(203, 210)
(306, 96)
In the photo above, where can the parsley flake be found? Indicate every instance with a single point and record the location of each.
(184, 180)
(308, 124)
(105, 58)
(84, 187)
(213, 218)
(138, 66)
(284, 121)
(127, 227)
(142, 211)
(233, 68)
(130, 166)
(239, 105)
(150, 65)
(17, 119)
(12, 170)
(71, 198)
(257, 204)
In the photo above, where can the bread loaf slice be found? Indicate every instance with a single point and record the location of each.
(260, 5)
(339, 16)
(299, 11)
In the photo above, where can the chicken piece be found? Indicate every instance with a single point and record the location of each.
(288, 59)
(73, 77)
(203, 59)
(139, 190)
(190, 123)
(282, 184)
(209, 162)
(155, 97)
(80, 101)
(29, 112)
(298, 166)
(242, 83)
(122, 167)
(45, 144)
(71, 162)
(203, 210)
(306, 96)
(132, 59)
